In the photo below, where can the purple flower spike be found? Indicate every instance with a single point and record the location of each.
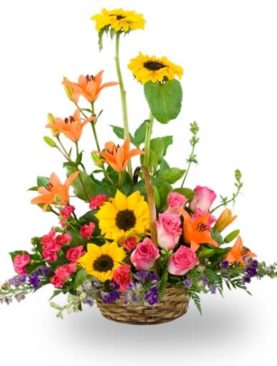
(187, 283)
(224, 264)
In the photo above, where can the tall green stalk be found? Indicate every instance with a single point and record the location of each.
(147, 142)
(122, 95)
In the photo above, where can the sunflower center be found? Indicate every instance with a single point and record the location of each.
(119, 17)
(125, 220)
(153, 65)
(103, 264)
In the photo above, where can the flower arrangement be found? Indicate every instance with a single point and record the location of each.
(147, 243)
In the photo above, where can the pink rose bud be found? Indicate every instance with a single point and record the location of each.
(122, 276)
(168, 230)
(183, 260)
(130, 243)
(199, 213)
(145, 254)
(175, 201)
(73, 254)
(97, 201)
(203, 198)
(67, 211)
(87, 230)
(20, 261)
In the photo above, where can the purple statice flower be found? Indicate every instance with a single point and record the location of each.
(187, 283)
(153, 277)
(15, 281)
(134, 298)
(246, 279)
(213, 288)
(251, 271)
(141, 275)
(255, 263)
(224, 264)
(204, 280)
(152, 295)
(34, 280)
(44, 271)
(88, 301)
(110, 297)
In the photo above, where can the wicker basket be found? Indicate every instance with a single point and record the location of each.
(174, 304)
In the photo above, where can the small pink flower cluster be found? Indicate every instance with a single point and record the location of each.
(20, 262)
(52, 244)
(62, 274)
(87, 230)
(97, 201)
(65, 214)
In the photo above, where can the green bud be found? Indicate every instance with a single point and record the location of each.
(50, 142)
(230, 237)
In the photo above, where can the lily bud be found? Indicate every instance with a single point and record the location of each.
(224, 220)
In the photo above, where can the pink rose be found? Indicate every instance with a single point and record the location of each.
(168, 230)
(199, 213)
(130, 243)
(20, 261)
(122, 276)
(63, 239)
(175, 201)
(97, 201)
(49, 251)
(67, 211)
(203, 198)
(182, 261)
(87, 230)
(73, 254)
(145, 254)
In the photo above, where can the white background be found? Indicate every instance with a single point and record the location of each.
(228, 50)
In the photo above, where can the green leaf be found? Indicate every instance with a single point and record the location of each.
(163, 188)
(172, 175)
(156, 196)
(140, 132)
(187, 192)
(50, 142)
(119, 131)
(80, 278)
(164, 99)
(83, 186)
(42, 181)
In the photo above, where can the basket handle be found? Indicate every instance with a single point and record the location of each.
(151, 203)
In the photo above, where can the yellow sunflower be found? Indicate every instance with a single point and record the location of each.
(119, 20)
(100, 262)
(124, 216)
(151, 68)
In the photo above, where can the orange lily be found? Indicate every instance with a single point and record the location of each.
(224, 220)
(237, 252)
(55, 192)
(196, 230)
(118, 156)
(88, 86)
(71, 127)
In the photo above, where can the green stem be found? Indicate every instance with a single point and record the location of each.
(93, 125)
(147, 141)
(123, 95)
(188, 168)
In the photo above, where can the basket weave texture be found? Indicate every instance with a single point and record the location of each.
(173, 305)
